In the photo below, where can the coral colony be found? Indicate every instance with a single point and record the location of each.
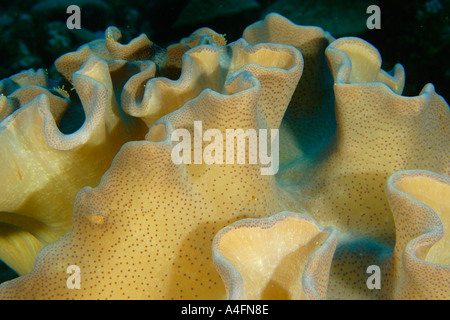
(283, 165)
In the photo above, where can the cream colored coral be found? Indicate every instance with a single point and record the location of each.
(109, 49)
(42, 169)
(420, 201)
(340, 176)
(146, 230)
(21, 88)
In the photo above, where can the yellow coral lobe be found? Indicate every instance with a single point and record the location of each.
(286, 256)
(170, 222)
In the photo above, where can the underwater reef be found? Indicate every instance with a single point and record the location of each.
(362, 181)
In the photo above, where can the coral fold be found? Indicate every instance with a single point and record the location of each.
(286, 256)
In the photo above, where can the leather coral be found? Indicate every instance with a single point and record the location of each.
(147, 229)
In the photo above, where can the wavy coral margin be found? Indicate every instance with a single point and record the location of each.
(314, 274)
(420, 202)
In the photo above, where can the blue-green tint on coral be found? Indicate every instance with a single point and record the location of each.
(349, 273)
